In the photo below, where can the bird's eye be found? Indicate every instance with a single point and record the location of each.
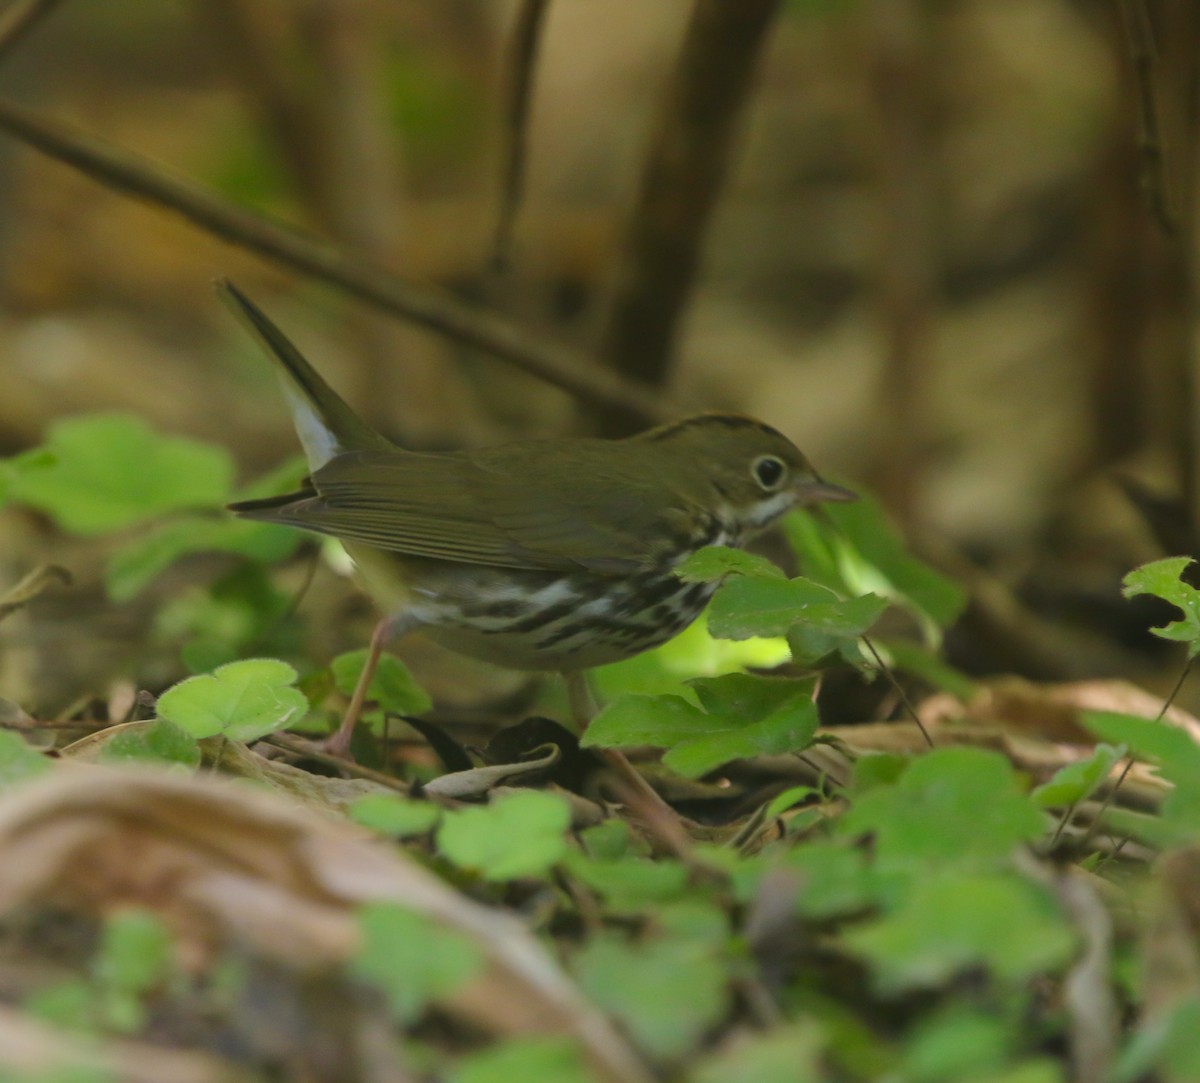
(768, 471)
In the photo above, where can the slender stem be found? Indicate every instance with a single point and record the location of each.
(905, 702)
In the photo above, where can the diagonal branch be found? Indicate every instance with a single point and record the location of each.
(430, 308)
(20, 18)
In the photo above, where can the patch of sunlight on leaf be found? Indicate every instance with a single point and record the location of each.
(106, 472)
(1079, 780)
(157, 742)
(18, 762)
(399, 817)
(692, 653)
(666, 993)
(522, 834)
(787, 1054)
(412, 958)
(530, 1060)
(741, 715)
(949, 805)
(1163, 579)
(393, 687)
(243, 700)
(949, 924)
(854, 548)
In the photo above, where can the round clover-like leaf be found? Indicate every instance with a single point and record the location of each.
(242, 700)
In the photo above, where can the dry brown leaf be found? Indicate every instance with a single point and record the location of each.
(1050, 711)
(224, 863)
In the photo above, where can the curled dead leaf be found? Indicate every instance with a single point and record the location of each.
(225, 864)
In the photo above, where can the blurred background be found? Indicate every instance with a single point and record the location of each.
(946, 245)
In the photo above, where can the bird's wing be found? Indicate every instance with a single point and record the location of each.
(498, 507)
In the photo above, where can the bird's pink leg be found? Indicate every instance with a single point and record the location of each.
(386, 631)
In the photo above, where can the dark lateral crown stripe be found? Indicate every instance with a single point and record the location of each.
(729, 421)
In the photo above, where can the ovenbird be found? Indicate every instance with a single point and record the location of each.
(554, 554)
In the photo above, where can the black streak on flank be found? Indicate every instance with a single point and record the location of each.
(727, 421)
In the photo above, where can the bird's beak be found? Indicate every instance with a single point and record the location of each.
(816, 491)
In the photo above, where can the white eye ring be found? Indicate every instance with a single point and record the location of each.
(769, 471)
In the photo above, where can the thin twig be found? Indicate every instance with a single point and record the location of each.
(526, 38)
(1094, 826)
(423, 305)
(1140, 34)
(19, 18)
(905, 702)
(299, 747)
(684, 173)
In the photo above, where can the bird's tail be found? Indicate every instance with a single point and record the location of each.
(326, 425)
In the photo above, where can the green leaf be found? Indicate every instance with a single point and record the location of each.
(242, 700)
(159, 741)
(1166, 1040)
(138, 564)
(519, 835)
(18, 761)
(667, 993)
(134, 956)
(1162, 578)
(959, 1042)
(412, 958)
(107, 472)
(949, 805)
(135, 951)
(748, 606)
(1172, 749)
(793, 795)
(396, 816)
(717, 561)
(1079, 780)
(854, 548)
(530, 1060)
(607, 841)
(221, 622)
(746, 716)
(951, 924)
(629, 884)
(836, 880)
(728, 738)
(70, 1004)
(633, 719)
(785, 1054)
(392, 687)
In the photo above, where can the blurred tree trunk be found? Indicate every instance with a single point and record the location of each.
(685, 169)
(1156, 319)
(903, 62)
